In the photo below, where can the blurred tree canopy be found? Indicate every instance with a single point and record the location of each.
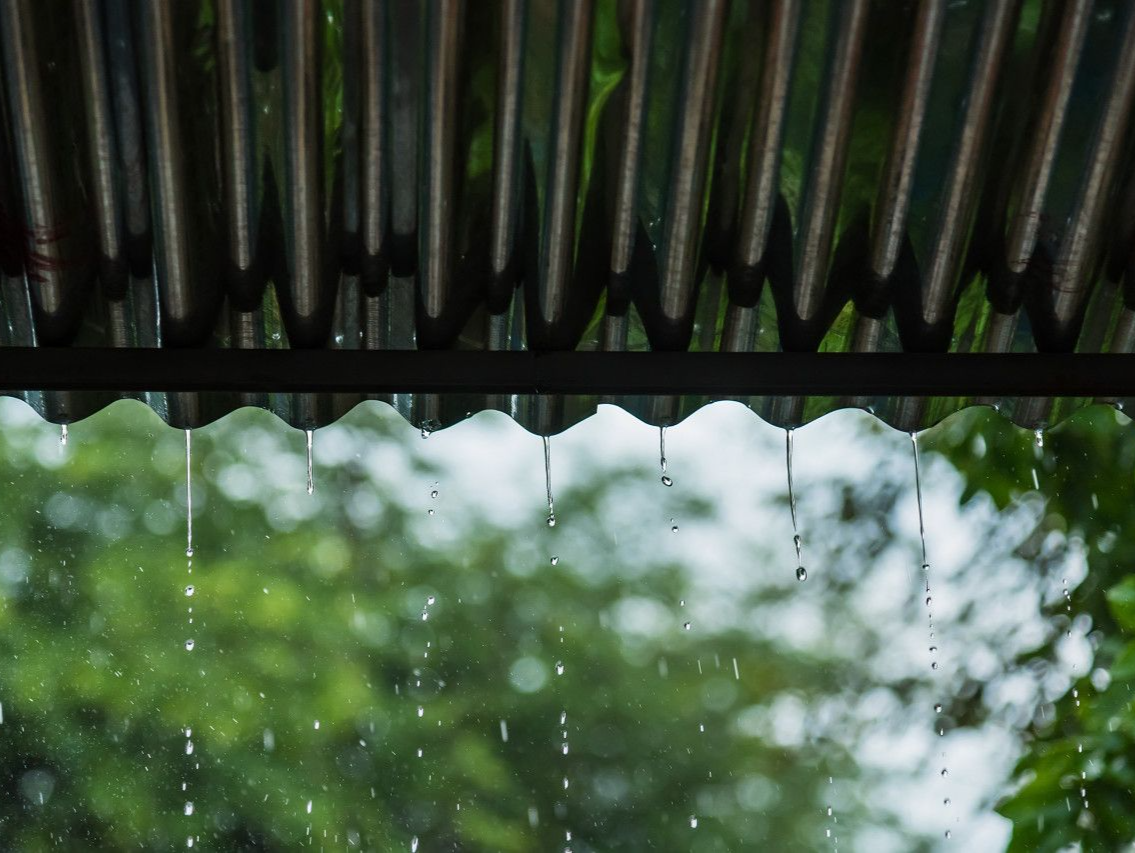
(368, 675)
(1087, 464)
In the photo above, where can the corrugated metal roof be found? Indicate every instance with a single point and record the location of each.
(566, 175)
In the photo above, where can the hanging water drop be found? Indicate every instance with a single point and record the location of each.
(63, 435)
(310, 478)
(666, 480)
(1038, 438)
(801, 572)
(188, 493)
(548, 481)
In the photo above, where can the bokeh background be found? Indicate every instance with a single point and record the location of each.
(396, 661)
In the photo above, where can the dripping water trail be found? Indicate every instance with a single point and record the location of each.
(1068, 634)
(548, 481)
(310, 470)
(801, 572)
(666, 479)
(188, 808)
(188, 494)
(929, 601)
(63, 435)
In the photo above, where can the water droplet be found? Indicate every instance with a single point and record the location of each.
(934, 664)
(429, 511)
(425, 615)
(566, 783)
(945, 772)
(309, 806)
(667, 480)
(421, 711)
(1038, 437)
(189, 747)
(933, 649)
(316, 725)
(63, 434)
(938, 708)
(929, 600)
(687, 625)
(434, 494)
(673, 528)
(414, 840)
(564, 748)
(948, 835)
(188, 809)
(693, 821)
(555, 561)
(946, 801)
(563, 718)
(551, 520)
(310, 479)
(559, 667)
(189, 590)
(801, 573)
(189, 645)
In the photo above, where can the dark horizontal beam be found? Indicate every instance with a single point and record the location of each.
(598, 373)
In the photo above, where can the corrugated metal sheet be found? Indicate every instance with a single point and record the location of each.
(567, 175)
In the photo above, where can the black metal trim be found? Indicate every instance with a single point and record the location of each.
(598, 373)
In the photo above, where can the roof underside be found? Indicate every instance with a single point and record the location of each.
(446, 181)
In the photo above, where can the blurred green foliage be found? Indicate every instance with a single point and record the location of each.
(315, 646)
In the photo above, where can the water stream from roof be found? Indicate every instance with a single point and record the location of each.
(548, 481)
(666, 479)
(310, 434)
(933, 642)
(190, 591)
(801, 572)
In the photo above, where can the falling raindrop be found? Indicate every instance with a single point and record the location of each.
(504, 731)
(434, 494)
(188, 809)
(555, 561)
(559, 667)
(189, 747)
(189, 591)
(310, 478)
(316, 725)
(189, 645)
(801, 572)
(949, 835)
(421, 711)
(414, 840)
(430, 601)
(693, 821)
(945, 772)
(309, 806)
(673, 526)
(938, 708)
(548, 481)
(188, 493)
(687, 625)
